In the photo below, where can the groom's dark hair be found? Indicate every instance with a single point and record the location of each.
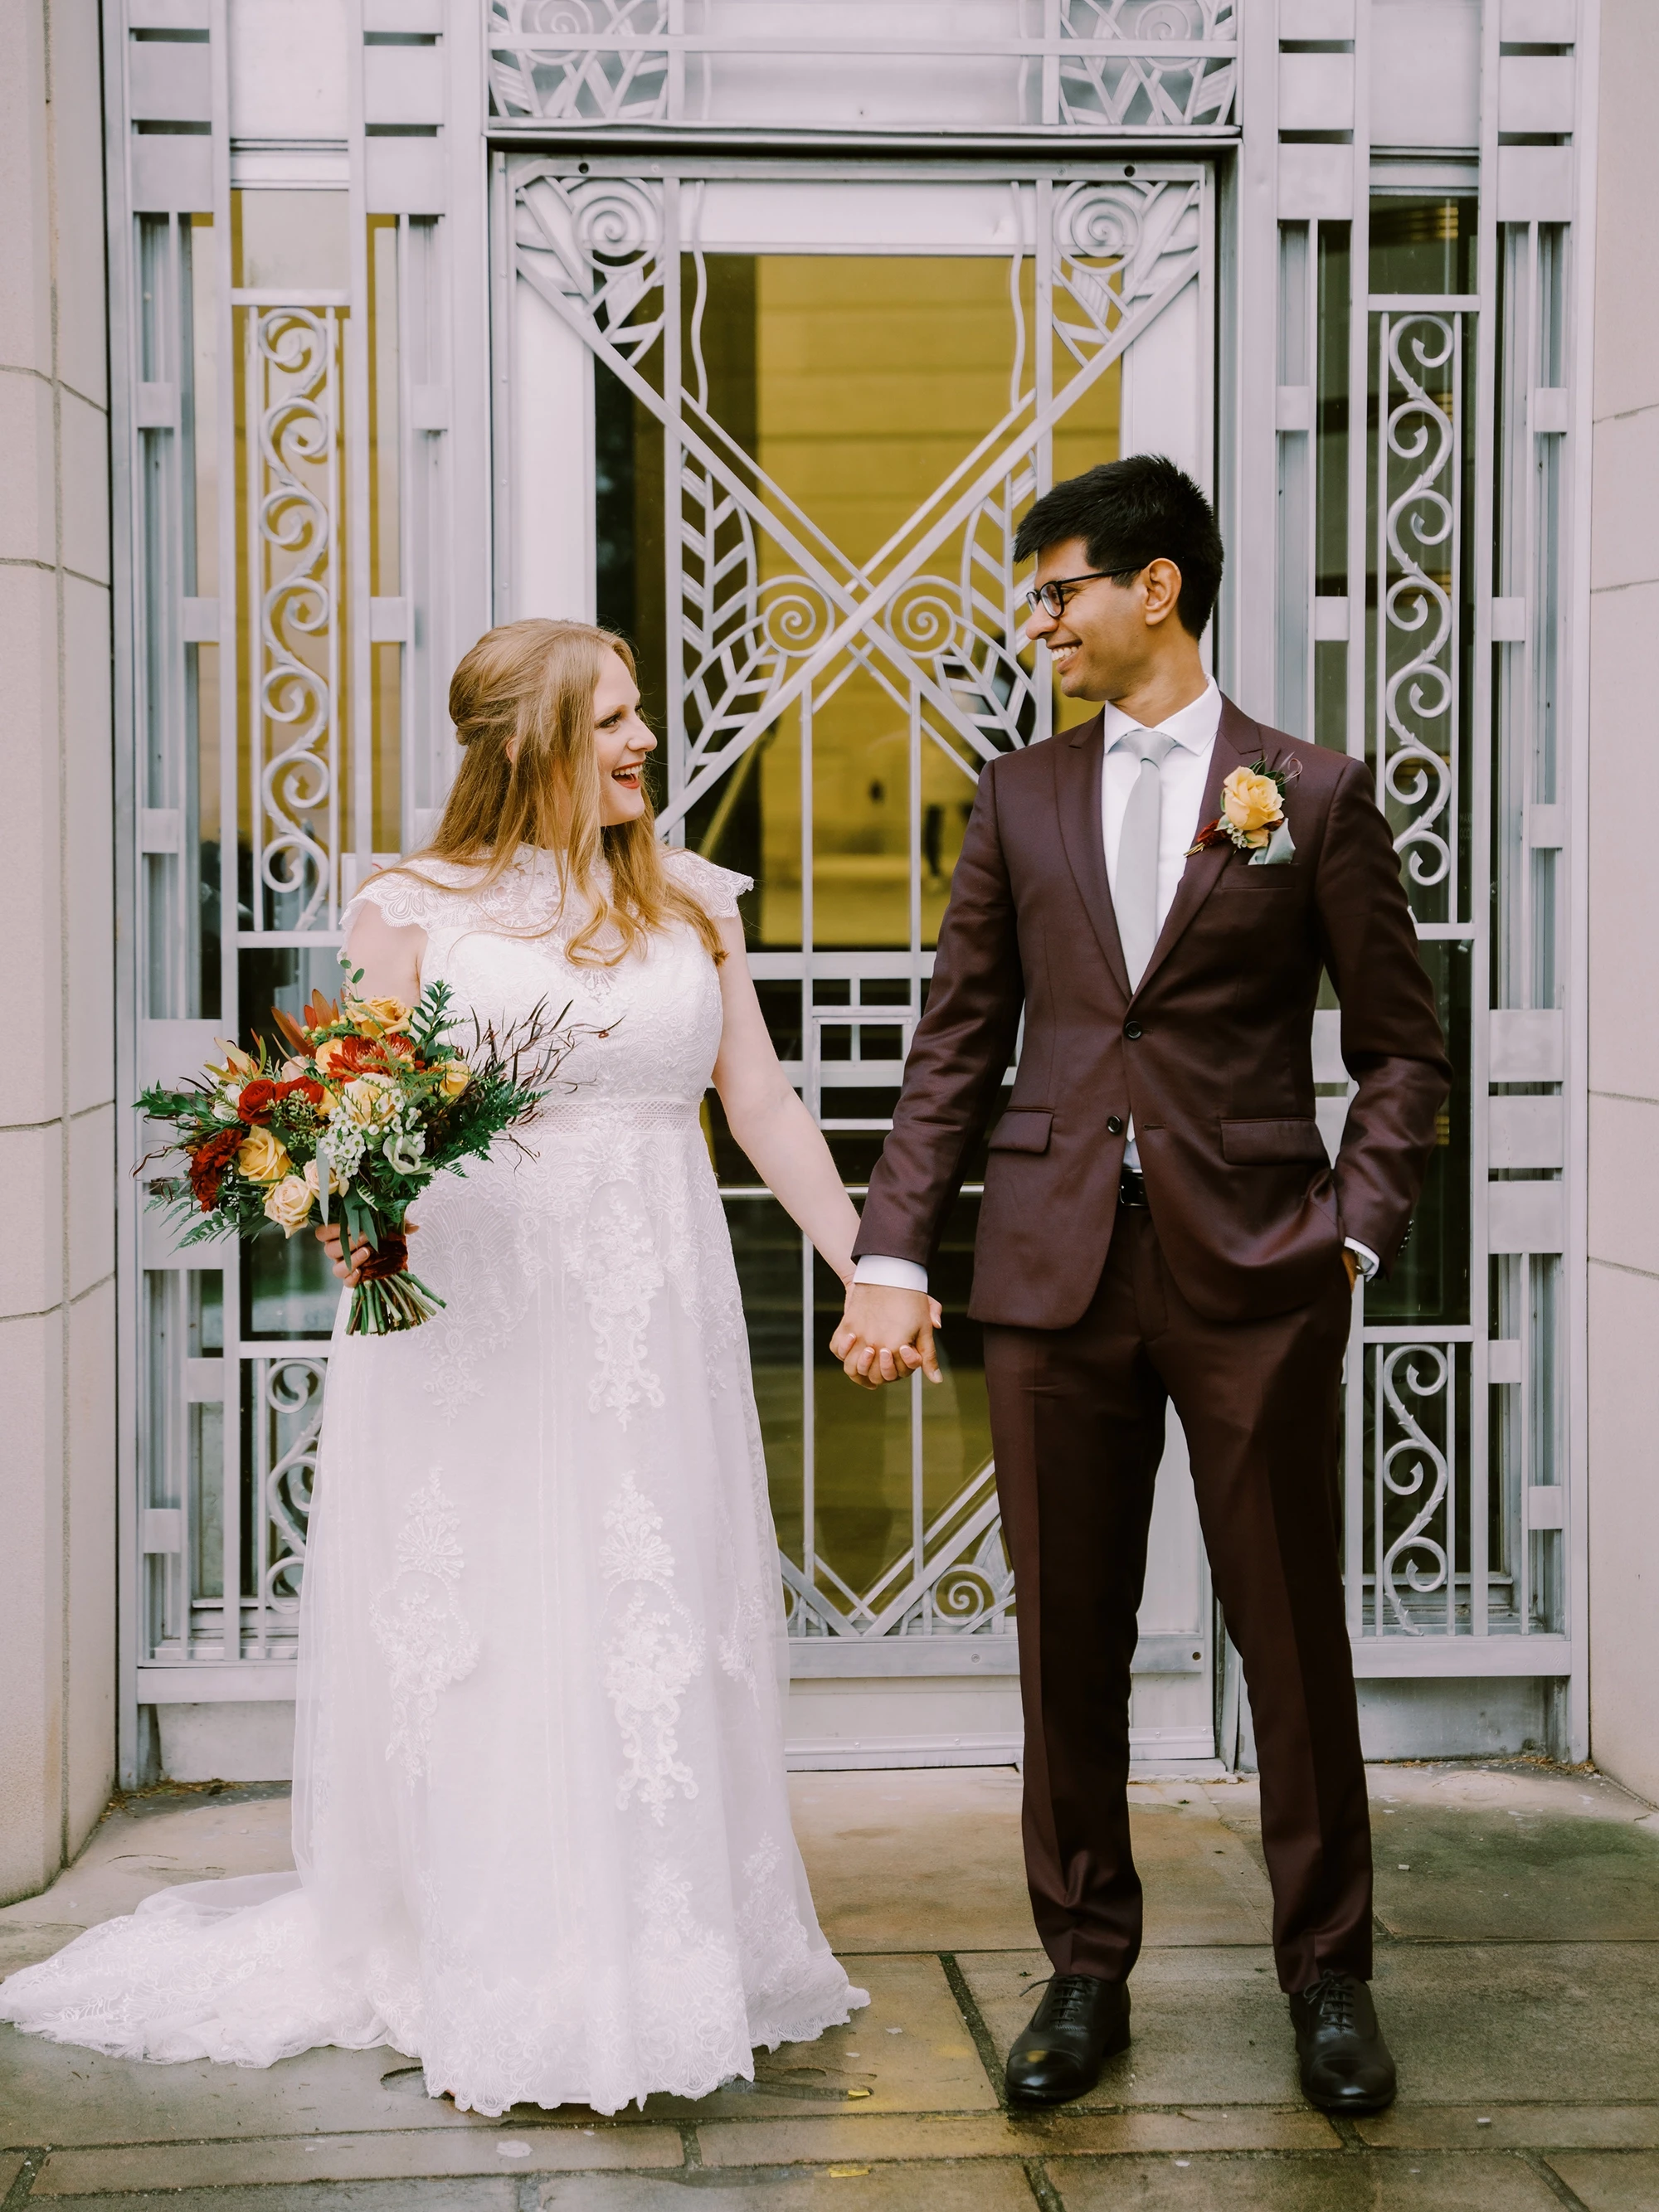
(1131, 512)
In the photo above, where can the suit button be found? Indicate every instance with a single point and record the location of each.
(1132, 1029)
(1114, 1125)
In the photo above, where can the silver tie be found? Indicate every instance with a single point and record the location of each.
(1134, 894)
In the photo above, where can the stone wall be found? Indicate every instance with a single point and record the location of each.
(58, 1488)
(1623, 914)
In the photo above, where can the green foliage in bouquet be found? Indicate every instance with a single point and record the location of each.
(370, 1102)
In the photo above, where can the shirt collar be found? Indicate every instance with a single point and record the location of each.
(1193, 726)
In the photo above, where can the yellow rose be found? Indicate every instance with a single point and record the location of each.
(288, 1202)
(454, 1075)
(371, 1101)
(261, 1158)
(329, 1055)
(379, 1014)
(1252, 803)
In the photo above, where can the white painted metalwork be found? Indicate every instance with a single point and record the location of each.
(304, 545)
(1117, 66)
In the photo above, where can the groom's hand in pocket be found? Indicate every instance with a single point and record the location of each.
(885, 1335)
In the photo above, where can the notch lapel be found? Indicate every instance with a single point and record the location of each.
(1079, 758)
(1238, 742)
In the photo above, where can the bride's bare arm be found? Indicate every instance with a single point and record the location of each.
(390, 957)
(768, 1120)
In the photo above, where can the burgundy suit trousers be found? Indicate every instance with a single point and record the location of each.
(1078, 1421)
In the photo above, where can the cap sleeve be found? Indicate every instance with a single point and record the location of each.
(716, 890)
(402, 898)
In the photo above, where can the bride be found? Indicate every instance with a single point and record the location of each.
(539, 1810)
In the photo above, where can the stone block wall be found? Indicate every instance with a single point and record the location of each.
(58, 1488)
(1624, 913)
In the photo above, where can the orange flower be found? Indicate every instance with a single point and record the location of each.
(1252, 803)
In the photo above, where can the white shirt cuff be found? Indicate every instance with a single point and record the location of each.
(890, 1275)
(1369, 1263)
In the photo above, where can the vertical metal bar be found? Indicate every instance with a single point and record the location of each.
(131, 1381)
(347, 621)
(1572, 689)
(1359, 271)
(1484, 739)
(231, 648)
(673, 460)
(809, 1494)
(1379, 1540)
(411, 470)
(1353, 1472)
(1051, 32)
(503, 277)
(1451, 1490)
(1380, 648)
(352, 431)
(1042, 379)
(918, 1502)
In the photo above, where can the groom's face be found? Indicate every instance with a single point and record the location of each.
(1099, 643)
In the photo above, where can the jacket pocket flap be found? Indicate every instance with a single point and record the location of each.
(1271, 1143)
(1021, 1131)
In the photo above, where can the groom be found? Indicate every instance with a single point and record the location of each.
(1160, 1222)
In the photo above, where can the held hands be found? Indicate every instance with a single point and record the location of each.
(886, 1334)
(329, 1237)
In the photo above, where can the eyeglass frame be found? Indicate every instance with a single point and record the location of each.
(1037, 595)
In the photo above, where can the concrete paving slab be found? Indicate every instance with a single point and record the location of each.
(925, 2135)
(1505, 1856)
(1209, 2026)
(1611, 2181)
(51, 2093)
(491, 2195)
(427, 2153)
(1579, 2022)
(977, 2186)
(145, 1843)
(1335, 2181)
(1515, 2126)
(927, 2063)
(864, 1836)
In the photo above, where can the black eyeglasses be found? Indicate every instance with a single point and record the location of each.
(1052, 596)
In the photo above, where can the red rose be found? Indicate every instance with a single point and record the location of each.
(209, 1162)
(255, 1101)
(302, 1086)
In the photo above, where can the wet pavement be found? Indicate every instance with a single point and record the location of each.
(1517, 1976)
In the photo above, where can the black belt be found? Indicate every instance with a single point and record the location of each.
(1131, 1186)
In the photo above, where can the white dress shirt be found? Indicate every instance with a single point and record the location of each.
(1183, 779)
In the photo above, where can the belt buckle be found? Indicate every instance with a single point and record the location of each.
(1131, 1187)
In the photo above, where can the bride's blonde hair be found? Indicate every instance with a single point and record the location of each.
(534, 681)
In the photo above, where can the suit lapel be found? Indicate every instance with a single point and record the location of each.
(1237, 743)
(1078, 756)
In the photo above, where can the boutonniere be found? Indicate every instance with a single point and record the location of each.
(1252, 815)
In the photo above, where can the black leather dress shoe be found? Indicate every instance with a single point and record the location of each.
(1346, 2064)
(1080, 2023)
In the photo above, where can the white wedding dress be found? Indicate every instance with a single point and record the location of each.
(539, 1812)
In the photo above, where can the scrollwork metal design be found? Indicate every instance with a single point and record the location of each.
(533, 73)
(1418, 504)
(1412, 1466)
(294, 500)
(290, 1410)
(1194, 87)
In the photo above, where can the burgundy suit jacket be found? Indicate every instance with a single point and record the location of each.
(1212, 1056)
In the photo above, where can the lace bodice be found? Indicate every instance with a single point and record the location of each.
(649, 1026)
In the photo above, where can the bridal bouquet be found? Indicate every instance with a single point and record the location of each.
(370, 1102)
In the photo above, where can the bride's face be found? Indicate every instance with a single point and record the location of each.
(621, 744)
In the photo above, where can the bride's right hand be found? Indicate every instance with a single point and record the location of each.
(329, 1237)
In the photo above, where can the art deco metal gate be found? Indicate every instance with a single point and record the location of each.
(310, 457)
